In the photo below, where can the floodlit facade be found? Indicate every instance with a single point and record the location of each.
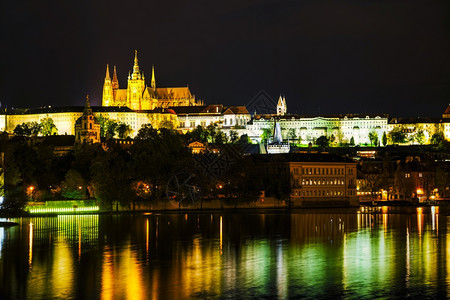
(139, 96)
(315, 179)
(346, 129)
(65, 118)
(307, 129)
(227, 118)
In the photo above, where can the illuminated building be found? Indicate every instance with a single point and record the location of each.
(315, 179)
(87, 127)
(139, 96)
(281, 106)
(345, 128)
(64, 118)
(227, 118)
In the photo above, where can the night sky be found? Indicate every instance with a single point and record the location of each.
(363, 56)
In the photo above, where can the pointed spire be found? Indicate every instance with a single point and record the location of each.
(153, 83)
(88, 104)
(136, 74)
(87, 107)
(107, 77)
(115, 82)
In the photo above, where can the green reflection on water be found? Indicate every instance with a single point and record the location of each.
(365, 254)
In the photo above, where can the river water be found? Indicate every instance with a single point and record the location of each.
(339, 253)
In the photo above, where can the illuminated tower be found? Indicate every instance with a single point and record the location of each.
(281, 106)
(87, 127)
(115, 82)
(153, 83)
(108, 99)
(136, 86)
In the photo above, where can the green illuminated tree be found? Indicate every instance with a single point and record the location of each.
(73, 186)
(323, 141)
(384, 139)
(233, 136)
(111, 128)
(27, 129)
(352, 141)
(48, 127)
(167, 124)
(437, 138)
(102, 121)
(419, 137)
(291, 134)
(373, 137)
(123, 130)
(266, 135)
(397, 136)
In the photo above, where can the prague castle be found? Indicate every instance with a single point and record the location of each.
(139, 96)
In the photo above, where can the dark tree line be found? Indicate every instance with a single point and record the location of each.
(113, 174)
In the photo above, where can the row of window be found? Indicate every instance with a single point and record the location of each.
(321, 171)
(319, 193)
(324, 181)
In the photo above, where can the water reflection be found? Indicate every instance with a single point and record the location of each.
(372, 252)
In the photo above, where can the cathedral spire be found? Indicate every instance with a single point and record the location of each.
(136, 74)
(153, 84)
(115, 82)
(107, 77)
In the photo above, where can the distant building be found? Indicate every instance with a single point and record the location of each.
(139, 96)
(315, 179)
(346, 128)
(197, 147)
(87, 127)
(281, 106)
(226, 117)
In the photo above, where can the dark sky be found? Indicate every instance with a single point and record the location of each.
(325, 56)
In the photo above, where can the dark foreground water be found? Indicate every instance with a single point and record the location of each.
(389, 253)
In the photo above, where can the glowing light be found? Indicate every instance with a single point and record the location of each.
(419, 220)
(67, 210)
(30, 249)
(221, 236)
(419, 191)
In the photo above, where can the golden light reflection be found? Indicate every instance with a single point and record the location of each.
(62, 271)
(384, 210)
(408, 259)
(79, 240)
(419, 220)
(30, 250)
(126, 284)
(107, 275)
(147, 232)
(221, 237)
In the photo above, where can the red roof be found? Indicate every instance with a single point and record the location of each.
(447, 111)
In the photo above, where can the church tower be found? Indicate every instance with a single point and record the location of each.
(136, 86)
(281, 106)
(108, 99)
(153, 83)
(87, 127)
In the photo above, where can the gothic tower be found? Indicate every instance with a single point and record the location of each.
(108, 99)
(281, 106)
(153, 83)
(136, 86)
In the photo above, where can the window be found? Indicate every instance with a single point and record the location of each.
(420, 174)
(407, 175)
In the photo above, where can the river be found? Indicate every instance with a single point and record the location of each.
(325, 253)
